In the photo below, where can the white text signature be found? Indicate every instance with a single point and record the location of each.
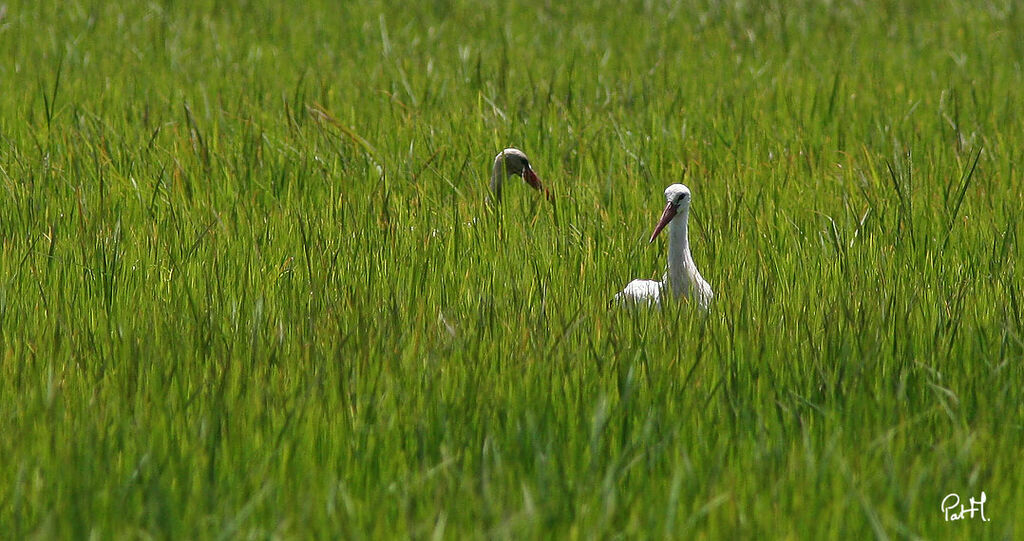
(952, 509)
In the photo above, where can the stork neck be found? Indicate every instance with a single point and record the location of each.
(679, 259)
(498, 176)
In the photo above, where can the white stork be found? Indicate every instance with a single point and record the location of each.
(682, 276)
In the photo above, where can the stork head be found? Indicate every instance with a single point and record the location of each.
(677, 200)
(516, 163)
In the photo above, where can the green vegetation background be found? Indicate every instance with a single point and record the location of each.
(249, 287)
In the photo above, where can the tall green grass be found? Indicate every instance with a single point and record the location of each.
(251, 289)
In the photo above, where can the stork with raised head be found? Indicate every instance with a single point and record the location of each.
(682, 277)
(509, 162)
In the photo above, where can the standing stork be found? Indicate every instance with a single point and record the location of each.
(682, 277)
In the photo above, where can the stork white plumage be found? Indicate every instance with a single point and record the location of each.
(513, 161)
(682, 277)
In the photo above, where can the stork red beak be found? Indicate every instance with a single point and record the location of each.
(666, 217)
(531, 178)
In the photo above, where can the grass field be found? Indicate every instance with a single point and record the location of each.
(251, 289)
